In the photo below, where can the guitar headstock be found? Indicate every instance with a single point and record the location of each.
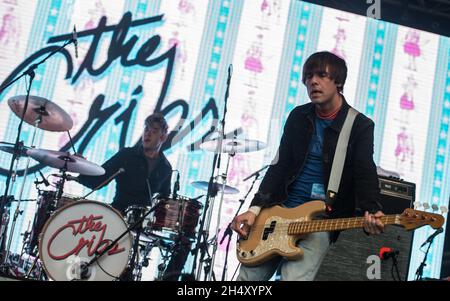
(413, 219)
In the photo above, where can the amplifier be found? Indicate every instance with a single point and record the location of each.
(396, 195)
(347, 258)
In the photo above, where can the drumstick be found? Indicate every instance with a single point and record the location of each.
(121, 170)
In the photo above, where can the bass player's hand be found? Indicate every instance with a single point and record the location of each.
(243, 222)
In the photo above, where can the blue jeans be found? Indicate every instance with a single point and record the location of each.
(315, 247)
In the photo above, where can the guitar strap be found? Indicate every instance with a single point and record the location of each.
(339, 158)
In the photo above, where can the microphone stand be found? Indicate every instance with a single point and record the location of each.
(430, 240)
(211, 194)
(229, 232)
(30, 72)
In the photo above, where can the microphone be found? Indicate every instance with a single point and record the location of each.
(230, 71)
(432, 236)
(256, 173)
(75, 41)
(68, 177)
(44, 180)
(386, 253)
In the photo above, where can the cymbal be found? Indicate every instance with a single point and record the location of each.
(234, 145)
(57, 159)
(203, 185)
(9, 148)
(54, 118)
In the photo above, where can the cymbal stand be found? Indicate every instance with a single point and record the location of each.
(202, 237)
(211, 195)
(212, 192)
(229, 232)
(60, 184)
(216, 236)
(30, 72)
(41, 111)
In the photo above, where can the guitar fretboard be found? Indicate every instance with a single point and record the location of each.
(334, 224)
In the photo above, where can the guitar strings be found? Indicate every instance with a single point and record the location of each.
(332, 223)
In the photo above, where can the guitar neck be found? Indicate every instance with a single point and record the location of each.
(335, 224)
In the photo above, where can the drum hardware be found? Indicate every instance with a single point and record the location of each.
(202, 237)
(19, 106)
(214, 188)
(145, 250)
(134, 265)
(228, 232)
(173, 223)
(38, 119)
(166, 254)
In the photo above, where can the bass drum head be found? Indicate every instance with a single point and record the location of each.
(75, 233)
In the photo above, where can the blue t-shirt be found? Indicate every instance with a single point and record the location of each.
(309, 184)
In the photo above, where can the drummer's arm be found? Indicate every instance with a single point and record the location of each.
(111, 166)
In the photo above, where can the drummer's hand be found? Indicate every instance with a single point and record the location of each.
(243, 222)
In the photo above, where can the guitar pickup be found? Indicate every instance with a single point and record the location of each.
(269, 230)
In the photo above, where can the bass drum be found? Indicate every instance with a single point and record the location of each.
(46, 205)
(75, 233)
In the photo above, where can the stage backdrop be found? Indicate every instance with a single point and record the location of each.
(137, 57)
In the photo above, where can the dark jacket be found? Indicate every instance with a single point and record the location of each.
(359, 182)
(131, 186)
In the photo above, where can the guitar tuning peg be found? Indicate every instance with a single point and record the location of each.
(444, 209)
(416, 205)
(434, 207)
(426, 206)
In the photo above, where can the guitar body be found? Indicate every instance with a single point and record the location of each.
(269, 236)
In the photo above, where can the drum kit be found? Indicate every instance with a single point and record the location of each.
(72, 238)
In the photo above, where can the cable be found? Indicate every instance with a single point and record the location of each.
(234, 274)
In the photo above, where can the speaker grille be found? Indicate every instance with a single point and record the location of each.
(347, 258)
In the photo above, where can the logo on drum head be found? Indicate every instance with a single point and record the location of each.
(91, 232)
(78, 269)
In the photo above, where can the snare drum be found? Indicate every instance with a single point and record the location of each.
(75, 233)
(173, 217)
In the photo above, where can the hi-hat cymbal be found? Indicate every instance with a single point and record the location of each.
(58, 159)
(53, 119)
(203, 185)
(233, 145)
(9, 148)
